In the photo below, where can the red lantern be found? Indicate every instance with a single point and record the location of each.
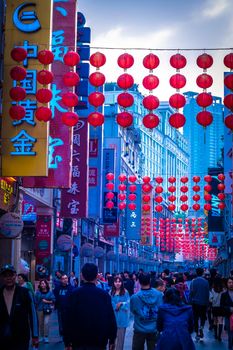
(146, 188)
(207, 206)
(178, 61)
(172, 198)
(17, 112)
(228, 101)
(110, 176)
(44, 77)
(204, 99)
(159, 179)
(45, 57)
(207, 188)
(97, 59)
(109, 195)
(196, 197)
(145, 198)
(97, 79)
(132, 196)
(171, 207)
(70, 99)
(221, 177)
(204, 118)
(122, 187)
(159, 189)
(184, 198)
(228, 81)
(204, 81)
(196, 206)
(71, 79)
(151, 61)
(125, 81)
(132, 188)
(221, 187)
(132, 206)
(196, 178)
(18, 54)
(146, 207)
(96, 99)
(125, 61)
(208, 178)
(207, 197)
(71, 58)
(196, 188)
(221, 196)
(69, 118)
(158, 199)
(184, 207)
(122, 177)
(177, 81)
(184, 189)
(150, 102)
(125, 99)
(124, 119)
(150, 82)
(228, 61)
(177, 101)
(17, 93)
(159, 208)
(122, 206)
(146, 179)
(177, 120)
(205, 61)
(18, 73)
(221, 205)
(150, 121)
(44, 95)
(172, 179)
(95, 119)
(171, 189)
(229, 121)
(122, 196)
(132, 178)
(43, 114)
(109, 204)
(109, 186)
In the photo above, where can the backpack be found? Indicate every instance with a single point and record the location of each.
(149, 312)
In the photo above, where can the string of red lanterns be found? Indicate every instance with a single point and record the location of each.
(228, 82)
(96, 98)
(17, 93)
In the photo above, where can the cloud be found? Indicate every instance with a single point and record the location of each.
(215, 9)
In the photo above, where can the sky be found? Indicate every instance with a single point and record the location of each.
(161, 24)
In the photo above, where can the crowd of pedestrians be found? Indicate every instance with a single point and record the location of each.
(95, 313)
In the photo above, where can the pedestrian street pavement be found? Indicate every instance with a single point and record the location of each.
(208, 343)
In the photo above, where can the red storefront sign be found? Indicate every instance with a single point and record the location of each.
(43, 243)
(74, 200)
(60, 136)
(111, 230)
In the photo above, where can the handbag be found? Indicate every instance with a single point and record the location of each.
(47, 309)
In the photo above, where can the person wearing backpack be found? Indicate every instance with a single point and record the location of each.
(144, 307)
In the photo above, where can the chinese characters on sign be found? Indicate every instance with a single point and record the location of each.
(133, 217)
(25, 142)
(43, 241)
(74, 200)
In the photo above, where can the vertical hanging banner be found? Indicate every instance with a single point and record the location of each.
(43, 244)
(25, 141)
(133, 217)
(74, 199)
(64, 38)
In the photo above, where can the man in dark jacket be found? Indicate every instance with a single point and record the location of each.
(18, 318)
(199, 298)
(91, 323)
(62, 293)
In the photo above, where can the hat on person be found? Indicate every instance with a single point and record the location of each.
(7, 267)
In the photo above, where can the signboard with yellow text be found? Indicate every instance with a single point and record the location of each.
(25, 141)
